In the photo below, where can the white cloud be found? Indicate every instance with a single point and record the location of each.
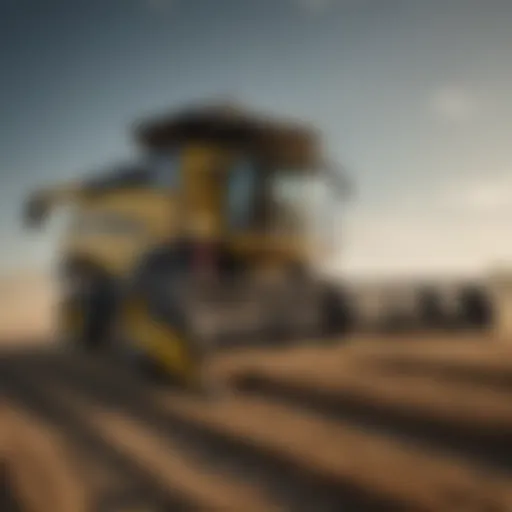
(401, 246)
(486, 195)
(460, 229)
(453, 103)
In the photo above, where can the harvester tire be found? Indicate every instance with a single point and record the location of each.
(337, 315)
(95, 308)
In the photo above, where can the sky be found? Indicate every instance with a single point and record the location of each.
(413, 97)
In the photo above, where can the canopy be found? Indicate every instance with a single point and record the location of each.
(280, 142)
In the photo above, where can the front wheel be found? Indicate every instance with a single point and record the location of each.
(337, 315)
(86, 316)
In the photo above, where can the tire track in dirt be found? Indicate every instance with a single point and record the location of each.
(291, 487)
(38, 469)
(26, 391)
(382, 405)
(164, 459)
(23, 385)
(412, 479)
(440, 487)
(304, 461)
(470, 419)
(498, 375)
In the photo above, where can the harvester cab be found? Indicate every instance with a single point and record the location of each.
(246, 181)
(175, 250)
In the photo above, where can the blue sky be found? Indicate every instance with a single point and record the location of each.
(413, 97)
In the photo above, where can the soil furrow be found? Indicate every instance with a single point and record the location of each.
(470, 373)
(490, 446)
(26, 389)
(294, 487)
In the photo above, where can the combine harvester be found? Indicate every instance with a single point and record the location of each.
(203, 242)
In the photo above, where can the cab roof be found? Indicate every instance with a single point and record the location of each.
(233, 125)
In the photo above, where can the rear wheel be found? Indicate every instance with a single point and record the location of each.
(87, 314)
(337, 315)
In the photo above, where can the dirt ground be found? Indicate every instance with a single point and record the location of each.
(369, 424)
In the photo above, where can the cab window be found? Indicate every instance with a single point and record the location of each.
(241, 194)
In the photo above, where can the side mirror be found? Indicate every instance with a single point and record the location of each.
(35, 211)
(340, 182)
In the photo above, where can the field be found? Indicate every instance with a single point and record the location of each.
(373, 424)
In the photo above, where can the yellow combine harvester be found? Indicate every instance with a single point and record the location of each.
(205, 241)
